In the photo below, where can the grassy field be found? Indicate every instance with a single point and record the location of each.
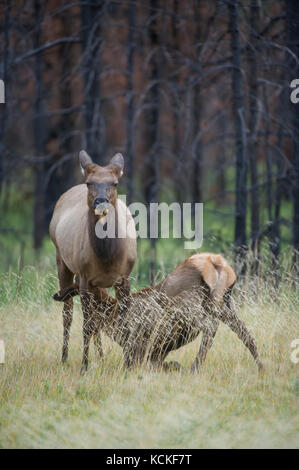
(45, 405)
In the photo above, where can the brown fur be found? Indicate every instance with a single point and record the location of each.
(195, 297)
(96, 263)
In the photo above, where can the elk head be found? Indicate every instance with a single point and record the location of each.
(102, 182)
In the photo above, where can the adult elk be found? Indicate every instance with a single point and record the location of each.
(95, 261)
(195, 297)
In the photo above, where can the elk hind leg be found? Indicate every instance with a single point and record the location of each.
(230, 318)
(65, 280)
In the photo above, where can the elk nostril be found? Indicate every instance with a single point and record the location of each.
(100, 200)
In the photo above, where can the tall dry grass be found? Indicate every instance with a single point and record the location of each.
(46, 405)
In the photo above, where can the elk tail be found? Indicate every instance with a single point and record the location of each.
(66, 294)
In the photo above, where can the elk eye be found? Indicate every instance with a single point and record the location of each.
(115, 184)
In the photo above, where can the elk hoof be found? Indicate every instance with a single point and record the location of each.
(172, 365)
(194, 369)
(63, 359)
(83, 370)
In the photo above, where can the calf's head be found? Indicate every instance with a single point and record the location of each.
(102, 182)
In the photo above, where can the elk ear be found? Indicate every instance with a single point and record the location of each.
(118, 162)
(85, 161)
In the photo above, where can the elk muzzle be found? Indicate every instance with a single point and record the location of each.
(101, 207)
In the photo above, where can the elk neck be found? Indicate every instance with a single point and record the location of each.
(106, 249)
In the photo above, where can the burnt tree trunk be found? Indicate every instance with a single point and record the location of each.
(176, 105)
(130, 100)
(153, 121)
(3, 109)
(39, 132)
(269, 173)
(252, 140)
(221, 158)
(292, 27)
(240, 137)
(61, 179)
(197, 111)
(275, 229)
(66, 123)
(91, 44)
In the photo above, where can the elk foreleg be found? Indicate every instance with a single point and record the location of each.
(88, 327)
(67, 318)
(65, 279)
(207, 340)
(230, 318)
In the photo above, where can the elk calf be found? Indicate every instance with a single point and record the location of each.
(194, 298)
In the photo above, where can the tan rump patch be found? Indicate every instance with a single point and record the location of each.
(215, 271)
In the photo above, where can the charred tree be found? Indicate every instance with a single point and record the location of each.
(252, 138)
(275, 235)
(130, 100)
(176, 104)
(197, 111)
(268, 156)
(153, 121)
(240, 136)
(91, 43)
(292, 28)
(4, 76)
(39, 134)
(59, 172)
(221, 158)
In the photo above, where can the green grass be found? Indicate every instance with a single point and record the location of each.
(46, 405)
(43, 404)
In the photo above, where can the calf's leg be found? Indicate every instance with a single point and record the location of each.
(171, 366)
(100, 295)
(98, 342)
(122, 291)
(207, 340)
(230, 318)
(88, 326)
